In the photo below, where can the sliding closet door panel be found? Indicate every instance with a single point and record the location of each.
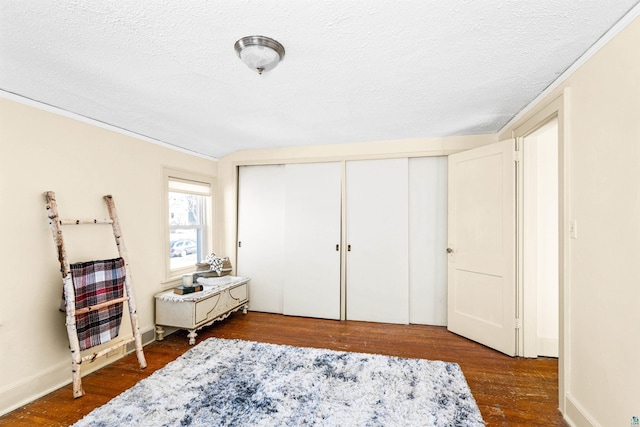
(428, 240)
(312, 240)
(261, 192)
(377, 232)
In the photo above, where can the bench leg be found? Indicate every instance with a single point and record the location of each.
(159, 333)
(192, 336)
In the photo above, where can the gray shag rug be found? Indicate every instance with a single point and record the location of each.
(242, 383)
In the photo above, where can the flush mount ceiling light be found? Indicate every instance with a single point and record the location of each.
(259, 53)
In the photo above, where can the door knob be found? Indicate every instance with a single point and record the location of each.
(449, 250)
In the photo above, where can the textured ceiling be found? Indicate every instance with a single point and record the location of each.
(353, 70)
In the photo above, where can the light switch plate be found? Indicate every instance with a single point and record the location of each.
(573, 229)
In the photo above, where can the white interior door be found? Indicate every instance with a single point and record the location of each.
(312, 240)
(482, 238)
(428, 240)
(261, 193)
(377, 287)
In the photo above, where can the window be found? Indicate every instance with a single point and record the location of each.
(189, 218)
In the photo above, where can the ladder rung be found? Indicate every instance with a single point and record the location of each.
(101, 305)
(94, 356)
(85, 221)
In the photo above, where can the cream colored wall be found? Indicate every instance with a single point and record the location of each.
(227, 169)
(602, 184)
(41, 151)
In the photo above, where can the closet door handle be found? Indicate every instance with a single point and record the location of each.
(337, 248)
(349, 248)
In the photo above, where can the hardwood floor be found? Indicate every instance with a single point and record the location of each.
(509, 391)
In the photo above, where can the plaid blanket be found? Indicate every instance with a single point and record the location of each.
(96, 282)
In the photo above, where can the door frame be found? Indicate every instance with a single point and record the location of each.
(557, 108)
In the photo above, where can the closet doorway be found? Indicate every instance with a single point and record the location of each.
(540, 232)
(504, 244)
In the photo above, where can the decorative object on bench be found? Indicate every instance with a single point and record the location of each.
(214, 266)
(219, 297)
(93, 294)
(184, 289)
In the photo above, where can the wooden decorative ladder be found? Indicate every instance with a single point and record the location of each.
(55, 223)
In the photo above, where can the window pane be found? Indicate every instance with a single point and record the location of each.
(185, 247)
(185, 209)
(186, 224)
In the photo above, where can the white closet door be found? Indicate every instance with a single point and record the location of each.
(428, 240)
(312, 240)
(377, 232)
(261, 193)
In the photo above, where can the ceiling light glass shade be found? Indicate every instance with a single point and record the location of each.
(259, 53)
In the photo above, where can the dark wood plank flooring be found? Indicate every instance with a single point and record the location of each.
(509, 391)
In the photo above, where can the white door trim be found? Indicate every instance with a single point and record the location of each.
(559, 107)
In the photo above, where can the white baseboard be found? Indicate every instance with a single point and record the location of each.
(576, 416)
(33, 387)
(28, 389)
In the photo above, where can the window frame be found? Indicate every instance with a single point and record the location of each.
(169, 175)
